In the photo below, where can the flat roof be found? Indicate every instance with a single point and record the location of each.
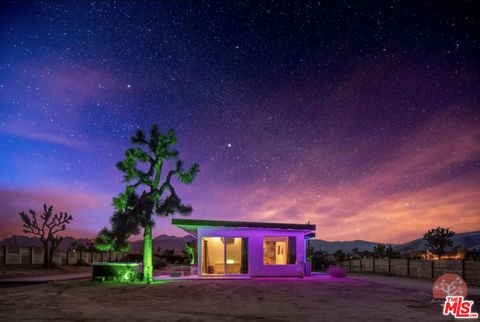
(246, 224)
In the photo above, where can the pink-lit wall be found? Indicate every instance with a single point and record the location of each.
(255, 248)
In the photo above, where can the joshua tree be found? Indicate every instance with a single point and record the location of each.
(437, 239)
(46, 229)
(391, 253)
(355, 252)
(190, 251)
(379, 250)
(339, 255)
(318, 258)
(107, 241)
(147, 192)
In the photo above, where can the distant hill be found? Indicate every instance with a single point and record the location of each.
(162, 241)
(346, 246)
(467, 240)
(165, 242)
(26, 241)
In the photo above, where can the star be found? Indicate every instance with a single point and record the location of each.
(358, 119)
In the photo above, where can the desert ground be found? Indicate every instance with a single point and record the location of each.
(270, 299)
(14, 271)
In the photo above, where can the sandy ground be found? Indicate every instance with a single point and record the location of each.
(321, 298)
(405, 282)
(12, 271)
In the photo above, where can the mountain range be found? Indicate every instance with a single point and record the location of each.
(26, 241)
(468, 240)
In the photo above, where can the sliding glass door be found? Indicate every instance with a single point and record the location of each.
(213, 256)
(224, 256)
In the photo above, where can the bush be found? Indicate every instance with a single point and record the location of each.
(134, 258)
(336, 271)
(158, 262)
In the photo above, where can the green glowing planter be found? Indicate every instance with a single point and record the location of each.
(120, 272)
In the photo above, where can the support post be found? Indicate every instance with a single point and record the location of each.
(432, 268)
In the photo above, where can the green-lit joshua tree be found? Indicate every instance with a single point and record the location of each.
(147, 192)
(190, 251)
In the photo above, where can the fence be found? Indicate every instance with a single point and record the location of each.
(13, 255)
(468, 270)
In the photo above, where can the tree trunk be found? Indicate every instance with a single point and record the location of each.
(147, 255)
(46, 257)
(52, 250)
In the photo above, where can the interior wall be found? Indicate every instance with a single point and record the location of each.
(234, 250)
(215, 257)
(275, 250)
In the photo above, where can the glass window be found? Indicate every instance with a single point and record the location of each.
(279, 250)
(222, 255)
(213, 255)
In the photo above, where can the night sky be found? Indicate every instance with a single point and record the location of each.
(360, 118)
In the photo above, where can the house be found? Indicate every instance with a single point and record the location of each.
(248, 248)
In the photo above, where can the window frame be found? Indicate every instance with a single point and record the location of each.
(288, 243)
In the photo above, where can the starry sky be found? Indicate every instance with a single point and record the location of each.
(361, 118)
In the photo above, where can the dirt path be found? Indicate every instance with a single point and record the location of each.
(253, 300)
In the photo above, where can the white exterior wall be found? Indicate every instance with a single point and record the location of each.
(255, 248)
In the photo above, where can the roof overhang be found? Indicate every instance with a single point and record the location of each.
(191, 225)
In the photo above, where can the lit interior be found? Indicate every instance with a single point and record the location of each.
(275, 250)
(214, 250)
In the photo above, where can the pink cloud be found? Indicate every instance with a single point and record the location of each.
(90, 210)
(395, 201)
(22, 132)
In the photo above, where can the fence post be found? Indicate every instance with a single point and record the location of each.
(408, 267)
(373, 264)
(389, 265)
(350, 265)
(31, 255)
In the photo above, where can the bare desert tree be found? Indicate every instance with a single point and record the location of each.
(46, 228)
(437, 239)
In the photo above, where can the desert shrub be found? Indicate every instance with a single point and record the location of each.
(134, 258)
(336, 271)
(158, 262)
